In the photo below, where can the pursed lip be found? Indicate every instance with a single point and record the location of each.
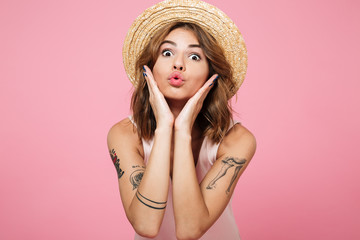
(175, 79)
(176, 75)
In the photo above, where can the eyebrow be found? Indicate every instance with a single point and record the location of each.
(174, 44)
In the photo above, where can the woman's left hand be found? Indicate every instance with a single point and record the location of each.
(185, 120)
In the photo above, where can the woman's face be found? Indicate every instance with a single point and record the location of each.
(181, 68)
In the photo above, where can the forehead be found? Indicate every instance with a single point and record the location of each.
(182, 34)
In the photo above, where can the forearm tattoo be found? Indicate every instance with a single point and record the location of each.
(228, 163)
(116, 162)
(150, 203)
(136, 176)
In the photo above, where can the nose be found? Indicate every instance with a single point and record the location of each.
(179, 64)
(179, 68)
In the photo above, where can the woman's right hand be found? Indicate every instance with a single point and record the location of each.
(162, 112)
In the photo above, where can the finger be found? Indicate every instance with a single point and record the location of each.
(146, 76)
(149, 86)
(212, 80)
(152, 87)
(149, 75)
(150, 79)
(205, 89)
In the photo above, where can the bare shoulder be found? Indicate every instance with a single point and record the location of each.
(124, 134)
(124, 127)
(239, 133)
(239, 141)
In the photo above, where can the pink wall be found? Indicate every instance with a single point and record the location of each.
(63, 86)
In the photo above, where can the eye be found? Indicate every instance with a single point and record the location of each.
(195, 57)
(166, 53)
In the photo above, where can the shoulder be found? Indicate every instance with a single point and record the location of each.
(239, 133)
(122, 129)
(238, 140)
(124, 134)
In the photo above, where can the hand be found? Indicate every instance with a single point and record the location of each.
(185, 120)
(162, 112)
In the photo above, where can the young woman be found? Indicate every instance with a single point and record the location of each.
(180, 155)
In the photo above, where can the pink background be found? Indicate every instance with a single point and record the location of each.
(63, 86)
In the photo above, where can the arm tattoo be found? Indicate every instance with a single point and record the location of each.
(150, 203)
(136, 177)
(228, 162)
(116, 162)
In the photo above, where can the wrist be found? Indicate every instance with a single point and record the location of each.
(163, 130)
(183, 134)
(185, 128)
(165, 123)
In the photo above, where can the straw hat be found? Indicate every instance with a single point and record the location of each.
(209, 17)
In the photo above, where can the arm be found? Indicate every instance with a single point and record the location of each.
(142, 201)
(194, 215)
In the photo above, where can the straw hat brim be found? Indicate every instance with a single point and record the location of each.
(212, 19)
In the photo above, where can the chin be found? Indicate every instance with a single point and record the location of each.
(177, 93)
(177, 97)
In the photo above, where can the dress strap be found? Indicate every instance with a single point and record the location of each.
(132, 120)
(212, 147)
(147, 145)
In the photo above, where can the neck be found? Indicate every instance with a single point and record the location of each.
(176, 107)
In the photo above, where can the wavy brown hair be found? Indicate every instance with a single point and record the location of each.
(216, 113)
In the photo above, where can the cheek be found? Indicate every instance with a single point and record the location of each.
(156, 71)
(159, 69)
(159, 75)
(202, 74)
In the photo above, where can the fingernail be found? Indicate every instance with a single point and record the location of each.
(144, 74)
(214, 81)
(144, 68)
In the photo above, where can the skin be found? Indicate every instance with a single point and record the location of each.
(177, 140)
(180, 52)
